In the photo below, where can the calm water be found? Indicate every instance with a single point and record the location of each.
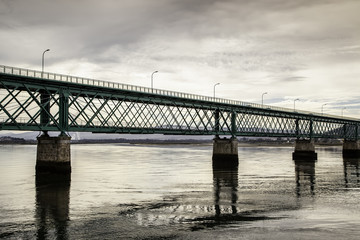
(171, 192)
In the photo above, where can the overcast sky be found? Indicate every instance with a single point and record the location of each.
(306, 49)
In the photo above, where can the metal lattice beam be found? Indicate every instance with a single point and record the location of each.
(35, 104)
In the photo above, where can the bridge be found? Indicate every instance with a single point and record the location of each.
(40, 101)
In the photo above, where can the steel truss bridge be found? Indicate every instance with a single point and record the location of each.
(40, 101)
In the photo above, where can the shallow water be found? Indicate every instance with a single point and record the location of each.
(120, 191)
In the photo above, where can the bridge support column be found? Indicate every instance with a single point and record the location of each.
(351, 148)
(53, 154)
(304, 150)
(225, 152)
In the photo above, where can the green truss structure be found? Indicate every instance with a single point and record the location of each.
(38, 101)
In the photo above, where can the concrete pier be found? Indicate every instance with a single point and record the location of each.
(304, 150)
(225, 152)
(53, 154)
(351, 148)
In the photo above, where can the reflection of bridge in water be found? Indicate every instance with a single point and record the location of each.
(52, 206)
(229, 202)
(232, 203)
(352, 172)
(39, 101)
(305, 177)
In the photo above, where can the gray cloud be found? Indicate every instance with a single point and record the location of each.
(97, 25)
(251, 44)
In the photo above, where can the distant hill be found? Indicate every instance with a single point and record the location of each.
(12, 140)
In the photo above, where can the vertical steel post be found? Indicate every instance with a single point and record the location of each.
(45, 110)
(297, 132)
(233, 124)
(311, 129)
(217, 122)
(344, 131)
(356, 132)
(64, 112)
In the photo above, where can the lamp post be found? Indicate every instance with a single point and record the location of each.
(214, 88)
(262, 99)
(152, 80)
(342, 111)
(322, 108)
(42, 61)
(294, 103)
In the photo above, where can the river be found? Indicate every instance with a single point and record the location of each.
(123, 191)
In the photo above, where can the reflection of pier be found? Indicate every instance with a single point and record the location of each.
(305, 176)
(202, 210)
(351, 172)
(52, 206)
(225, 190)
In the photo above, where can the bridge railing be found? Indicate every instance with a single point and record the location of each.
(108, 84)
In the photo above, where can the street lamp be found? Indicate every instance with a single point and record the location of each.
(214, 88)
(322, 108)
(262, 98)
(152, 80)
(294, 103)
(342, 111)
(42, 61)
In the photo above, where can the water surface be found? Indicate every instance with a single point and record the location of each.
(120, 191)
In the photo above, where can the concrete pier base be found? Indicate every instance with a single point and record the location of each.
(53, 154)
(351, 148)
(225, 153)
(304, 150)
